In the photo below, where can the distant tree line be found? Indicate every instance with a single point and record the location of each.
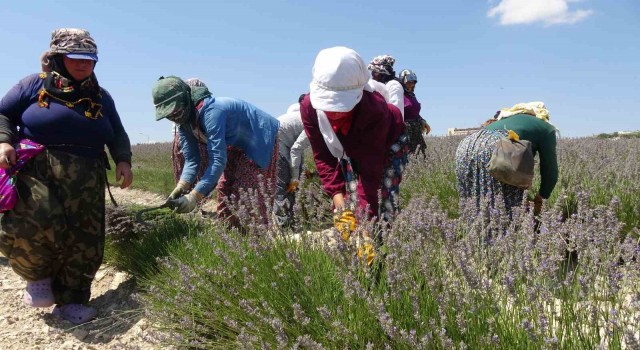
(625, 135)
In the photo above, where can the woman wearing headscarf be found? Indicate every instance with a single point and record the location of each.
(381, 68)
(530, 121)
(241, 145)
(54, 236)
(357, 139)
(416, 125)
(177, 158)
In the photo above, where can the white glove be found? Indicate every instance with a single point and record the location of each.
(180, 190)
(184, 204)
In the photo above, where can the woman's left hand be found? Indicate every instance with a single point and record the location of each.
(7, 155)
(123, 171)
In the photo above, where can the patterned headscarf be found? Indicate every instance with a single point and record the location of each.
(383, 65)
(72, 40)
(199, 90)
(58, 84)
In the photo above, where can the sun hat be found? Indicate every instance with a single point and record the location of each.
(339, 77)
(170, 95)
(74, 43)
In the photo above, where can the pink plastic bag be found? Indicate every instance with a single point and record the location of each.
(25, 150)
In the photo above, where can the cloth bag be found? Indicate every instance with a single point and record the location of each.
(512, 162)
(25, 150)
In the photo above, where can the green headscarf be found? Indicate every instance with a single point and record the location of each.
(172, 99)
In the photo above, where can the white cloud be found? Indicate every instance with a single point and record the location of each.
(549, 12)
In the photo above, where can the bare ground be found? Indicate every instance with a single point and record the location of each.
(120, 323)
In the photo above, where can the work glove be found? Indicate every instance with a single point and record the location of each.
(186, 203)
(180, 190)
(293, 186)
(367, 251)
(345, 223)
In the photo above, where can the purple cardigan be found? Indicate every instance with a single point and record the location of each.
(411, 108)
(376, 126)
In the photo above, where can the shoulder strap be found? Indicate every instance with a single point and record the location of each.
(330, 137)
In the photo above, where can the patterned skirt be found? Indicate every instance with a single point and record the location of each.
(394, 165)
(471, 167)
(241, 172)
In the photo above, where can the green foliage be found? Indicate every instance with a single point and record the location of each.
(624, 135)
(138, 251)
(275, 292)
(433, 175)
(603, 168)
(152, 168)
(444, 278)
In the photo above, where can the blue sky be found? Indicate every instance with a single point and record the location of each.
(581, 57)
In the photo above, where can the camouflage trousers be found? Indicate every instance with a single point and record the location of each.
(56, 229)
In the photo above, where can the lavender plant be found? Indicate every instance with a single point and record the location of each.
(478, 281)
(445, 276)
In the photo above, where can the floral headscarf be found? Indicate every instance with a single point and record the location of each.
(382, 64)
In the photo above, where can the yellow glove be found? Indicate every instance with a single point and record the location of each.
(293, 185)
(513, 136)
(345, 223)
(367, 251)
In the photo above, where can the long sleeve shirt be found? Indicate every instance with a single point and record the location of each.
(396, 94)
(376, 125)
(542, 136)
(61, 127)
(292, 141)
(392, 91)
(411, 108)
(226, 121)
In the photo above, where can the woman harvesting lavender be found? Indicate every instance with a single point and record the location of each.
(530, 121)
(357, 139)
(241, 143)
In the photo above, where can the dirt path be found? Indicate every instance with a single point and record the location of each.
(120, 323)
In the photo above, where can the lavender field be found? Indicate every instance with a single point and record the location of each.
(446, 276)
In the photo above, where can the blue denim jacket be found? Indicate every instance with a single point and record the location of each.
(227, 122)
